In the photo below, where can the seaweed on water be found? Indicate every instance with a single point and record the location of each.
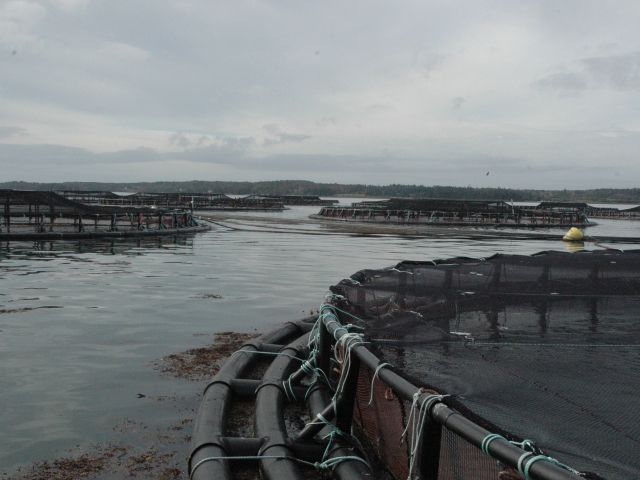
(202, 362)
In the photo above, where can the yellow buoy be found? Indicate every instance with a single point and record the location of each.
(573, 235)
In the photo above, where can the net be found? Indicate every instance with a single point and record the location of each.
(543, 347)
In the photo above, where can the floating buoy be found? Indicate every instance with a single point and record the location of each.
(573, 246)
(573, 235)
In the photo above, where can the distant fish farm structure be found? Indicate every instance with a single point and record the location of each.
(632, 213)
(195, 201)
(47, 215)
(469, 213)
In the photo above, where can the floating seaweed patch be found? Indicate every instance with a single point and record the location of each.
(203, 362)
(25, 309)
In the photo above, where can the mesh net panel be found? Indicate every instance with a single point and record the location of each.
(383, 420)
(459, 460)
(543, 347)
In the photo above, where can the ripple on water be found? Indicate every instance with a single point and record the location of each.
(67, 374)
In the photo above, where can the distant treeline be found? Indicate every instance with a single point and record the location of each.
(301, 187)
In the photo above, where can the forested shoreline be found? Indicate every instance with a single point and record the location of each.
(302, 187)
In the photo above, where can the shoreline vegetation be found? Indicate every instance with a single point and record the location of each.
(303, 187)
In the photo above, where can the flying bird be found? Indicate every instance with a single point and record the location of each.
(487, 174)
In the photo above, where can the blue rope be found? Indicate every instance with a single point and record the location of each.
(334, 308)
(526, 461)
(525, 444)
(487, 440)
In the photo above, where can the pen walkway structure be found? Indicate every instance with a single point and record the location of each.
(197, 201)
(46, 215)
(444, 212)
(191, 201)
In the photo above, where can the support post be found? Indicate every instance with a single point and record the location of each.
(346, 401)
(323, 358)
(7, 212)
(428, 462)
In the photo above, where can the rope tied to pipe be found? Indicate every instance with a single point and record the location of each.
(329, 464)
(269, 353)
(527, 445)
(527, 459)
(333, 307)
(417, 421)
(375, 375)
(532, 454)
(346, 343)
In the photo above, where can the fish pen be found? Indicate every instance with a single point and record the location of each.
(192, 201)
(41, 215)
(291, 200)
(631, 213)
(468, 213)
(510, 367)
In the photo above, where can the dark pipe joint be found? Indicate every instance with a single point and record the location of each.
(271, 382)
(268, 444)
(221, 379)
(217, 443)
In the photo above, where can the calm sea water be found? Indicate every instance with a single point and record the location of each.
(80, 322)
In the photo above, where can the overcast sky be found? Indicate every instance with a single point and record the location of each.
(538, 94)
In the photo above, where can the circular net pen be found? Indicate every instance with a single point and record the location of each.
(530, 360)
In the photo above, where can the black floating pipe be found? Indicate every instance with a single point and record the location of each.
(250, 447)
(319, 402)
(107, 234)
(243, 387)
(210, 424)
(269, 417)
(499, 449)
(314, 427)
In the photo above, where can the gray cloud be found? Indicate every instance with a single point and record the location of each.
(563, 81)
(132, 73)
(325, 121)
(10, 132)
(618, 72)
(144, 164)
(271, 128)
(377, 108)
(281, 137)
(179, 139)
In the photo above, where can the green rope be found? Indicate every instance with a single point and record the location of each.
(487, 440)
(528, 459)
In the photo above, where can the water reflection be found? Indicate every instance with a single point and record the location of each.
(67, 373)
(124, 246)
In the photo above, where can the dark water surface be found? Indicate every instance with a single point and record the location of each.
(81, 322)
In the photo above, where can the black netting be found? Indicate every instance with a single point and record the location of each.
(543, 347)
